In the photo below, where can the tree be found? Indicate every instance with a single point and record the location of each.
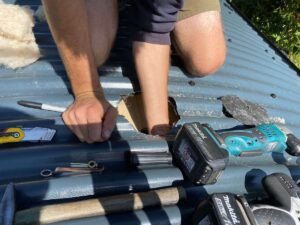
(279, 20)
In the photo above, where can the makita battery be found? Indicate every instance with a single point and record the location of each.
(224, 209)
(200, 153)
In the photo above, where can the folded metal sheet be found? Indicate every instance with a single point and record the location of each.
(253, 70)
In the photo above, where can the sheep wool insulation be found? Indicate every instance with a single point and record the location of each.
(17, 42)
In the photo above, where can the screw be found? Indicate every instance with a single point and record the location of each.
(192, 83)
(273, 95)
(229, 40)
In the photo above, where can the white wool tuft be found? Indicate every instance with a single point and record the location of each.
(16, 22)
(15, 54)
(17, 42)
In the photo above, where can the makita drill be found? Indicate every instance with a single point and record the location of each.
(260, 139)
(202, 153)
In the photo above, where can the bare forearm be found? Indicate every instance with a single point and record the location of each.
(152, 64)
(69, 26)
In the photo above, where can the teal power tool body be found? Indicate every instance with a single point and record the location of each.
(202, 153)
(255, 141)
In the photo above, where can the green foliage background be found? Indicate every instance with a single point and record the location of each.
(279, 20)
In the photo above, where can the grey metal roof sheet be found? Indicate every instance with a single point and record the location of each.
(253, 70)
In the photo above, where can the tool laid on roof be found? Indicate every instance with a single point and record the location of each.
(79, 168)
(284, 191)
(253, 114)
(202, 153)
(91, 164)
(224, 209)
(42, 106)
(32, 134)
(255, 141)
(150, 159)
(293, 144)
(227, 208)
(64, 170)
(100, 206)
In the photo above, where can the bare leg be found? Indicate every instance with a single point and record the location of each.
(103, 24)
(152, 65)
(200, 42)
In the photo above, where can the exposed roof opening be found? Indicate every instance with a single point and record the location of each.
(132, 108)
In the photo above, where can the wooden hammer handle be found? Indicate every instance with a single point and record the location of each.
(100, 206)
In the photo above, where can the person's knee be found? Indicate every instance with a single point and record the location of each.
(200, 43)
(103, 24)
(101, 55)
(207, 65)
(102, 46)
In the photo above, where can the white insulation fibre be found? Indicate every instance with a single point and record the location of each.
(17, 42)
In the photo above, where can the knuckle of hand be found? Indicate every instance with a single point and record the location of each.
(66, 119)
(93, 110)
(79, 113)
(72, 117)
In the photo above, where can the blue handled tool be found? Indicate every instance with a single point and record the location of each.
(202, 153)
(255, 141)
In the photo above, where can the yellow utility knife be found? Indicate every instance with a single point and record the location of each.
(32, 134)
(10, 135)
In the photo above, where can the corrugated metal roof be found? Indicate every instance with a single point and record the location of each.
(253, 71)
